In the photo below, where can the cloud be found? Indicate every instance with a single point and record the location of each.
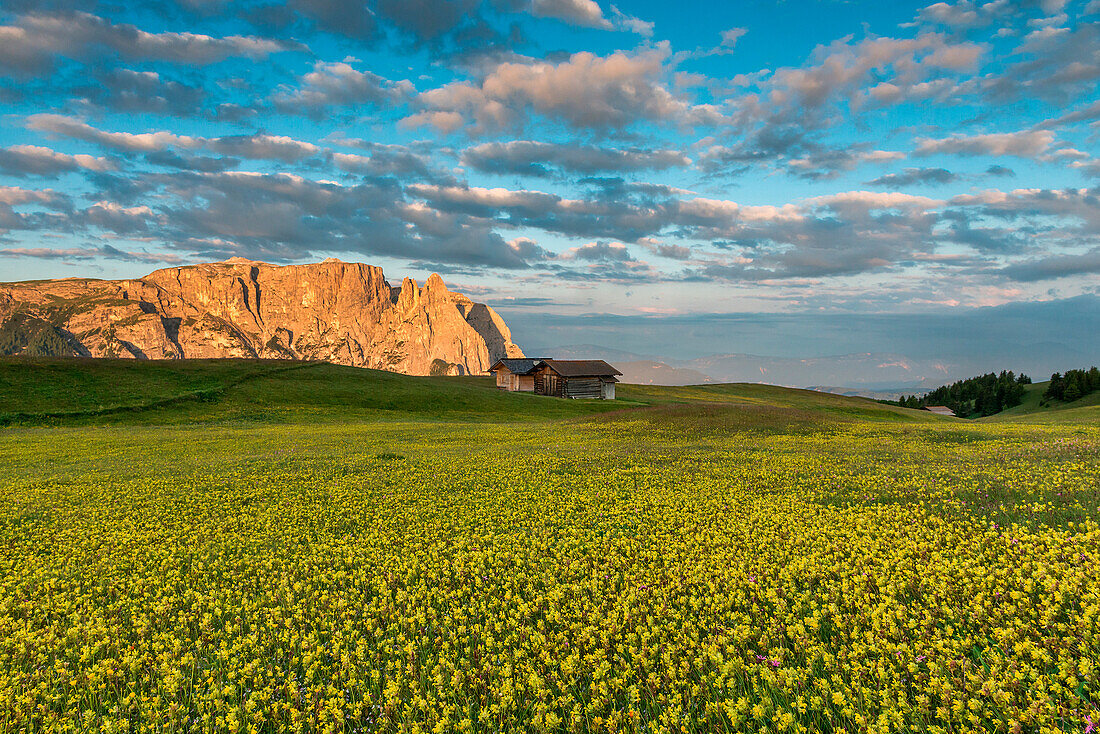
(1089, 167)
(1080, 205)
(577, 12)
(189, 162)
(1059, 64)
(33, 160)
(127, 90)
(844, 233)
(256, 146)
(534, 158)
(873, 71)
(776, 115)
(914, 177)
(401, 161)
(824, 163)
(875, 200)
(1054, 266)
(284, 216)
(1087, 113)
(69, 127)
(1025, 144)
(122, 220)
(353, 20)
(996, 170)
(260, 147)
(600, 251)
(339, 84)
(34, 41)
(92, 253)
(631, 24)
(957, 16)
(671, 252)
(585, 92)
(731, 36)
(453, 29)
(15, 196)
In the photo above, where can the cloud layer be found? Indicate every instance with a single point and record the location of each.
(948, 161)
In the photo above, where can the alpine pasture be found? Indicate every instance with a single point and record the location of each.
(260, 547)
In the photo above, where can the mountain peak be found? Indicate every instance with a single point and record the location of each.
(333, 311)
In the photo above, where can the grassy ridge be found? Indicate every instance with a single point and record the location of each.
(171, 391)
(1031, 410)
(129, 392)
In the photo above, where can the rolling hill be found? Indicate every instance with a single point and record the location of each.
(50, 390)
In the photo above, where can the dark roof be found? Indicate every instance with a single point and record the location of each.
(581, 367)
(517, 366)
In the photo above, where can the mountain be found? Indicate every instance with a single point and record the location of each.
(637, 369)
(855, 392)
(864, 374)
(334, 311)
(652, 372)
(869, 371)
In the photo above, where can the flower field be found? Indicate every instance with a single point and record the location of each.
(590, 575)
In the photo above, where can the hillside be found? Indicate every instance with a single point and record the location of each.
(346, 313)
(318, 520)
(1031, 411)
(50, 390)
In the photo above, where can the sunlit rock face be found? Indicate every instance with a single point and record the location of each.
(334, 311)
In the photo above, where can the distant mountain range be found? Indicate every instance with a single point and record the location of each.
(875, 375)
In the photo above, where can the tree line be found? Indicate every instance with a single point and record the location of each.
(975, 396)
(1073, 385)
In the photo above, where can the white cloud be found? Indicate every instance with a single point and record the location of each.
(876, 200)
(14, 196)
(586, 91)
(339, 84)
(32, 42)
(258, 146)
(37, 160)
(578, 12)
(1025, 144)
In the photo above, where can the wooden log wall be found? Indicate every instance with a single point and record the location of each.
(582, 387)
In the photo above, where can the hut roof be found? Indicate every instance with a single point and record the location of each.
(517, 366)
(581, 367)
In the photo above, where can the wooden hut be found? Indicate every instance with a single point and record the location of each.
(515, 375)
(563, 378)
(575, 378)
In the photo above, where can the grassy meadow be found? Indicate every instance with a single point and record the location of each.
(265, 546)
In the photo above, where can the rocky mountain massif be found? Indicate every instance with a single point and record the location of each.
(335, 311)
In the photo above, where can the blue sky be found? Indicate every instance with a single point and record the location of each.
(650, 160)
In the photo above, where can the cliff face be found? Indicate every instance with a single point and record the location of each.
(340, 312)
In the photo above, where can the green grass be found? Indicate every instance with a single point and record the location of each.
(236, 545)
(172, 391)
(1033, 409)
(184, 391)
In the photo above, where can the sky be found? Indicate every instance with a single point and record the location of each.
(655, 168)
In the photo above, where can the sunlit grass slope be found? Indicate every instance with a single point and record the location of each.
(1033, 409)
(126, 391)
